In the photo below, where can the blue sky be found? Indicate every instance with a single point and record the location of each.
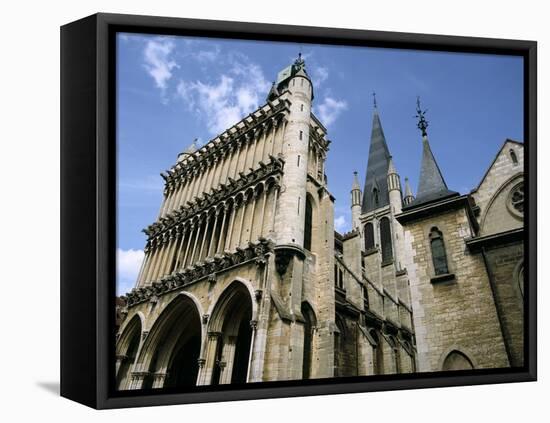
(171, 90)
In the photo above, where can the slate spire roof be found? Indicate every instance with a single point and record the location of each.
(431, 185)
(377, 168)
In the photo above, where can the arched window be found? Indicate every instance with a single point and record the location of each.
(375, 197)
(385, 240)
(439, 257)
(369, 236)
(307, 226)
(514, 157)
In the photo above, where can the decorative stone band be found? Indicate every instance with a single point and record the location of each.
(255, 122)
(201, 271)
(273, 168)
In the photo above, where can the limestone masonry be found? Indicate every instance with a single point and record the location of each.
(246, 280)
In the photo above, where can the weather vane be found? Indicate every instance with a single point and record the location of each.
(374, 98)
(420, 115)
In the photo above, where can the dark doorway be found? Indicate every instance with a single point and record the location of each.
(242, 351)
(184, 367)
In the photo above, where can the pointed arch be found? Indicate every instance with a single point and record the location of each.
(231, 320)
(310, 324)
(170, 353)
(127, 350)
(457, 360)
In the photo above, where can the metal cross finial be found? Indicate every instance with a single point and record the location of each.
(374, 98)
(421, 116)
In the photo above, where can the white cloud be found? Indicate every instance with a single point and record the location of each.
(320, 75)
(340, 223)
(158, 62)
(232, 96)
(330, 110)
(207, 55)
(128, 264)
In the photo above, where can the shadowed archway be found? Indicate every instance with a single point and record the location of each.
(231, 319)
(171, 352)
(126, 351)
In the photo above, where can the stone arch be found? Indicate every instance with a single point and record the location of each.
(457, 355)
(127, 349)
(170, 353)
(457, 360)
(310, 324)
(377, 353)
(232, 318)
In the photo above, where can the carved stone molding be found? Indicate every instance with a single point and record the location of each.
(176, 280)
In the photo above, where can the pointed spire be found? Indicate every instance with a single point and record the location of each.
(355, 185)
(431, 185)
(409, 197)
(377, 168)
(391, 167)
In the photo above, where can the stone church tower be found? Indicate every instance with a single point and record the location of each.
(245, 279)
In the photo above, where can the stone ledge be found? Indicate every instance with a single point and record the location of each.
(443, 278)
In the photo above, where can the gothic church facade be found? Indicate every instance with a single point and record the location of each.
(245, 279)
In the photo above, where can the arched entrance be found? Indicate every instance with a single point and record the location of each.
(127, 348)
(172, 349)
(456, 360)
(231, 322)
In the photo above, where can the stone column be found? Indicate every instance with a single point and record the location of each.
(251, 225)
(143, 264)
(239, 148)
(183, 231)
(262, 213)
(197, 233)
(231, 223)
(253, 326)
(164, 201)
(227, 360)
(276, 187)
(154, 262)
(150, 263)
(158, 379)
(137, 380)
(204, 236)
(285, 123)
(189, 238)
(213, 239)
(205, 377)
(221, 238)
(274, 125)
(240, 230)
(263, 142)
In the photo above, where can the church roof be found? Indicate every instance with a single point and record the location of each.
(377, 168)
(431, 185)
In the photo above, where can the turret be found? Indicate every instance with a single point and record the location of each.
(355, 202)
(431, 185)
(409, 197)
(290, 219)
(394, 188)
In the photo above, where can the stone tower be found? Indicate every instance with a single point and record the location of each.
(355, 202)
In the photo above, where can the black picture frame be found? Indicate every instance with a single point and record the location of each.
(88, 201)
